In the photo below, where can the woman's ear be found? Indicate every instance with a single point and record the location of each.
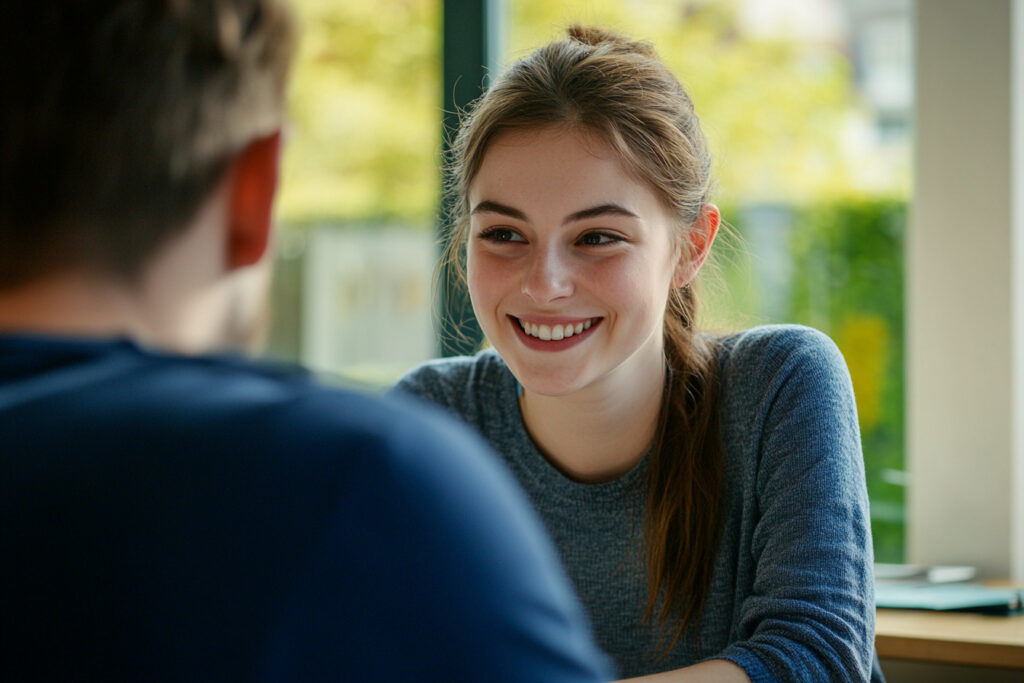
(695, 249)
(253, 186)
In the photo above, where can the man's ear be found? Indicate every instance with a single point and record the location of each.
(699, 238)
(253, 186)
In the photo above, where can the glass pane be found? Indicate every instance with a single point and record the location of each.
(807, 106)
(360, 179)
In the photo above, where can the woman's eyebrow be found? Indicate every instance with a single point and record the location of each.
(602, 210)
(487, 206)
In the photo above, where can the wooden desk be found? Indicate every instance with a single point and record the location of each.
(951, 637)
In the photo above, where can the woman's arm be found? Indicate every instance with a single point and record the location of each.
(809, 610)
(711, 671)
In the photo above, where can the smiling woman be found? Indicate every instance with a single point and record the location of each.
(590, 246)
(707, 494)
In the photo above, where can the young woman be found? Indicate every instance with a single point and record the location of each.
(707, 494)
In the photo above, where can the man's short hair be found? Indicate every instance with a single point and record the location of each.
(120, 117)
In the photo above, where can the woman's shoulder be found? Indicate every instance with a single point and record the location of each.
(786, 397)
(449, 381)
(765, 357)
(772, 346)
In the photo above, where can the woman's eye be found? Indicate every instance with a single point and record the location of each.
(598, 238)
(501, 235)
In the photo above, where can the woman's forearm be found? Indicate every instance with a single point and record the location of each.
(711, 671)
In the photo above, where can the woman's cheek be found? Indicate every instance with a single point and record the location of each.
(487, 274)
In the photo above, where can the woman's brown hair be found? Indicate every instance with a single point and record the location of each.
(619, 89)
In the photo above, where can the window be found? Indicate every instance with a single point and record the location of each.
(356, 249)
(807, 106)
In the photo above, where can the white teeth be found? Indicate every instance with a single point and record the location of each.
(554, 332)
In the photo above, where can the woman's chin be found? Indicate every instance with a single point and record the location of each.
(547, 384)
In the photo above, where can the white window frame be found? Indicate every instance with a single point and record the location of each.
(965, 288)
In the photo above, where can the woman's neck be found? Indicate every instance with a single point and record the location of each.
(598, 434)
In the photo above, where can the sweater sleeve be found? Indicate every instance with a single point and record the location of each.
(810, 615)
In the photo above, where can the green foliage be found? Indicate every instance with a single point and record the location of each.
(365, 113)
(366, 102)
(848, 282)
(774, 110)
(842, 273)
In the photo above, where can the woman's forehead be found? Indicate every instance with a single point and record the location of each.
(570, 166)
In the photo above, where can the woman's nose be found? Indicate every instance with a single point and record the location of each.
(548, 275)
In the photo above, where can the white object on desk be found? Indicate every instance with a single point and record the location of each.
(930, 574)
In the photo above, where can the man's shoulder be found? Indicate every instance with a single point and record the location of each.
(358, 513)
(191, 400)
(288, 405)
(224, 416)
(234, 389)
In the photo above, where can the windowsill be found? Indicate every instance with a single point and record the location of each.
(951, 638)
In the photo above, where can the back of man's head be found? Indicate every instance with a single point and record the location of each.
(120, 117)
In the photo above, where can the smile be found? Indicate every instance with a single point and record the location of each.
(555, 332)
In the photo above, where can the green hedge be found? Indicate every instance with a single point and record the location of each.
(838, 267)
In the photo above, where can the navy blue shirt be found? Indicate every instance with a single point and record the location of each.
(171, 518)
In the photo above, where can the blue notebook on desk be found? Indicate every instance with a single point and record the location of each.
(954, 597)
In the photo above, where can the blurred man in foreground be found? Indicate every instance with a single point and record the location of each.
(175, 516)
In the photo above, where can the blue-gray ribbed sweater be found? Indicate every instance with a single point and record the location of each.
(792, 596)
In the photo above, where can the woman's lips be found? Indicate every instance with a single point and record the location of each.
(553, 335)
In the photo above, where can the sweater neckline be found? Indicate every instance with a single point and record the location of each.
(544, 473)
